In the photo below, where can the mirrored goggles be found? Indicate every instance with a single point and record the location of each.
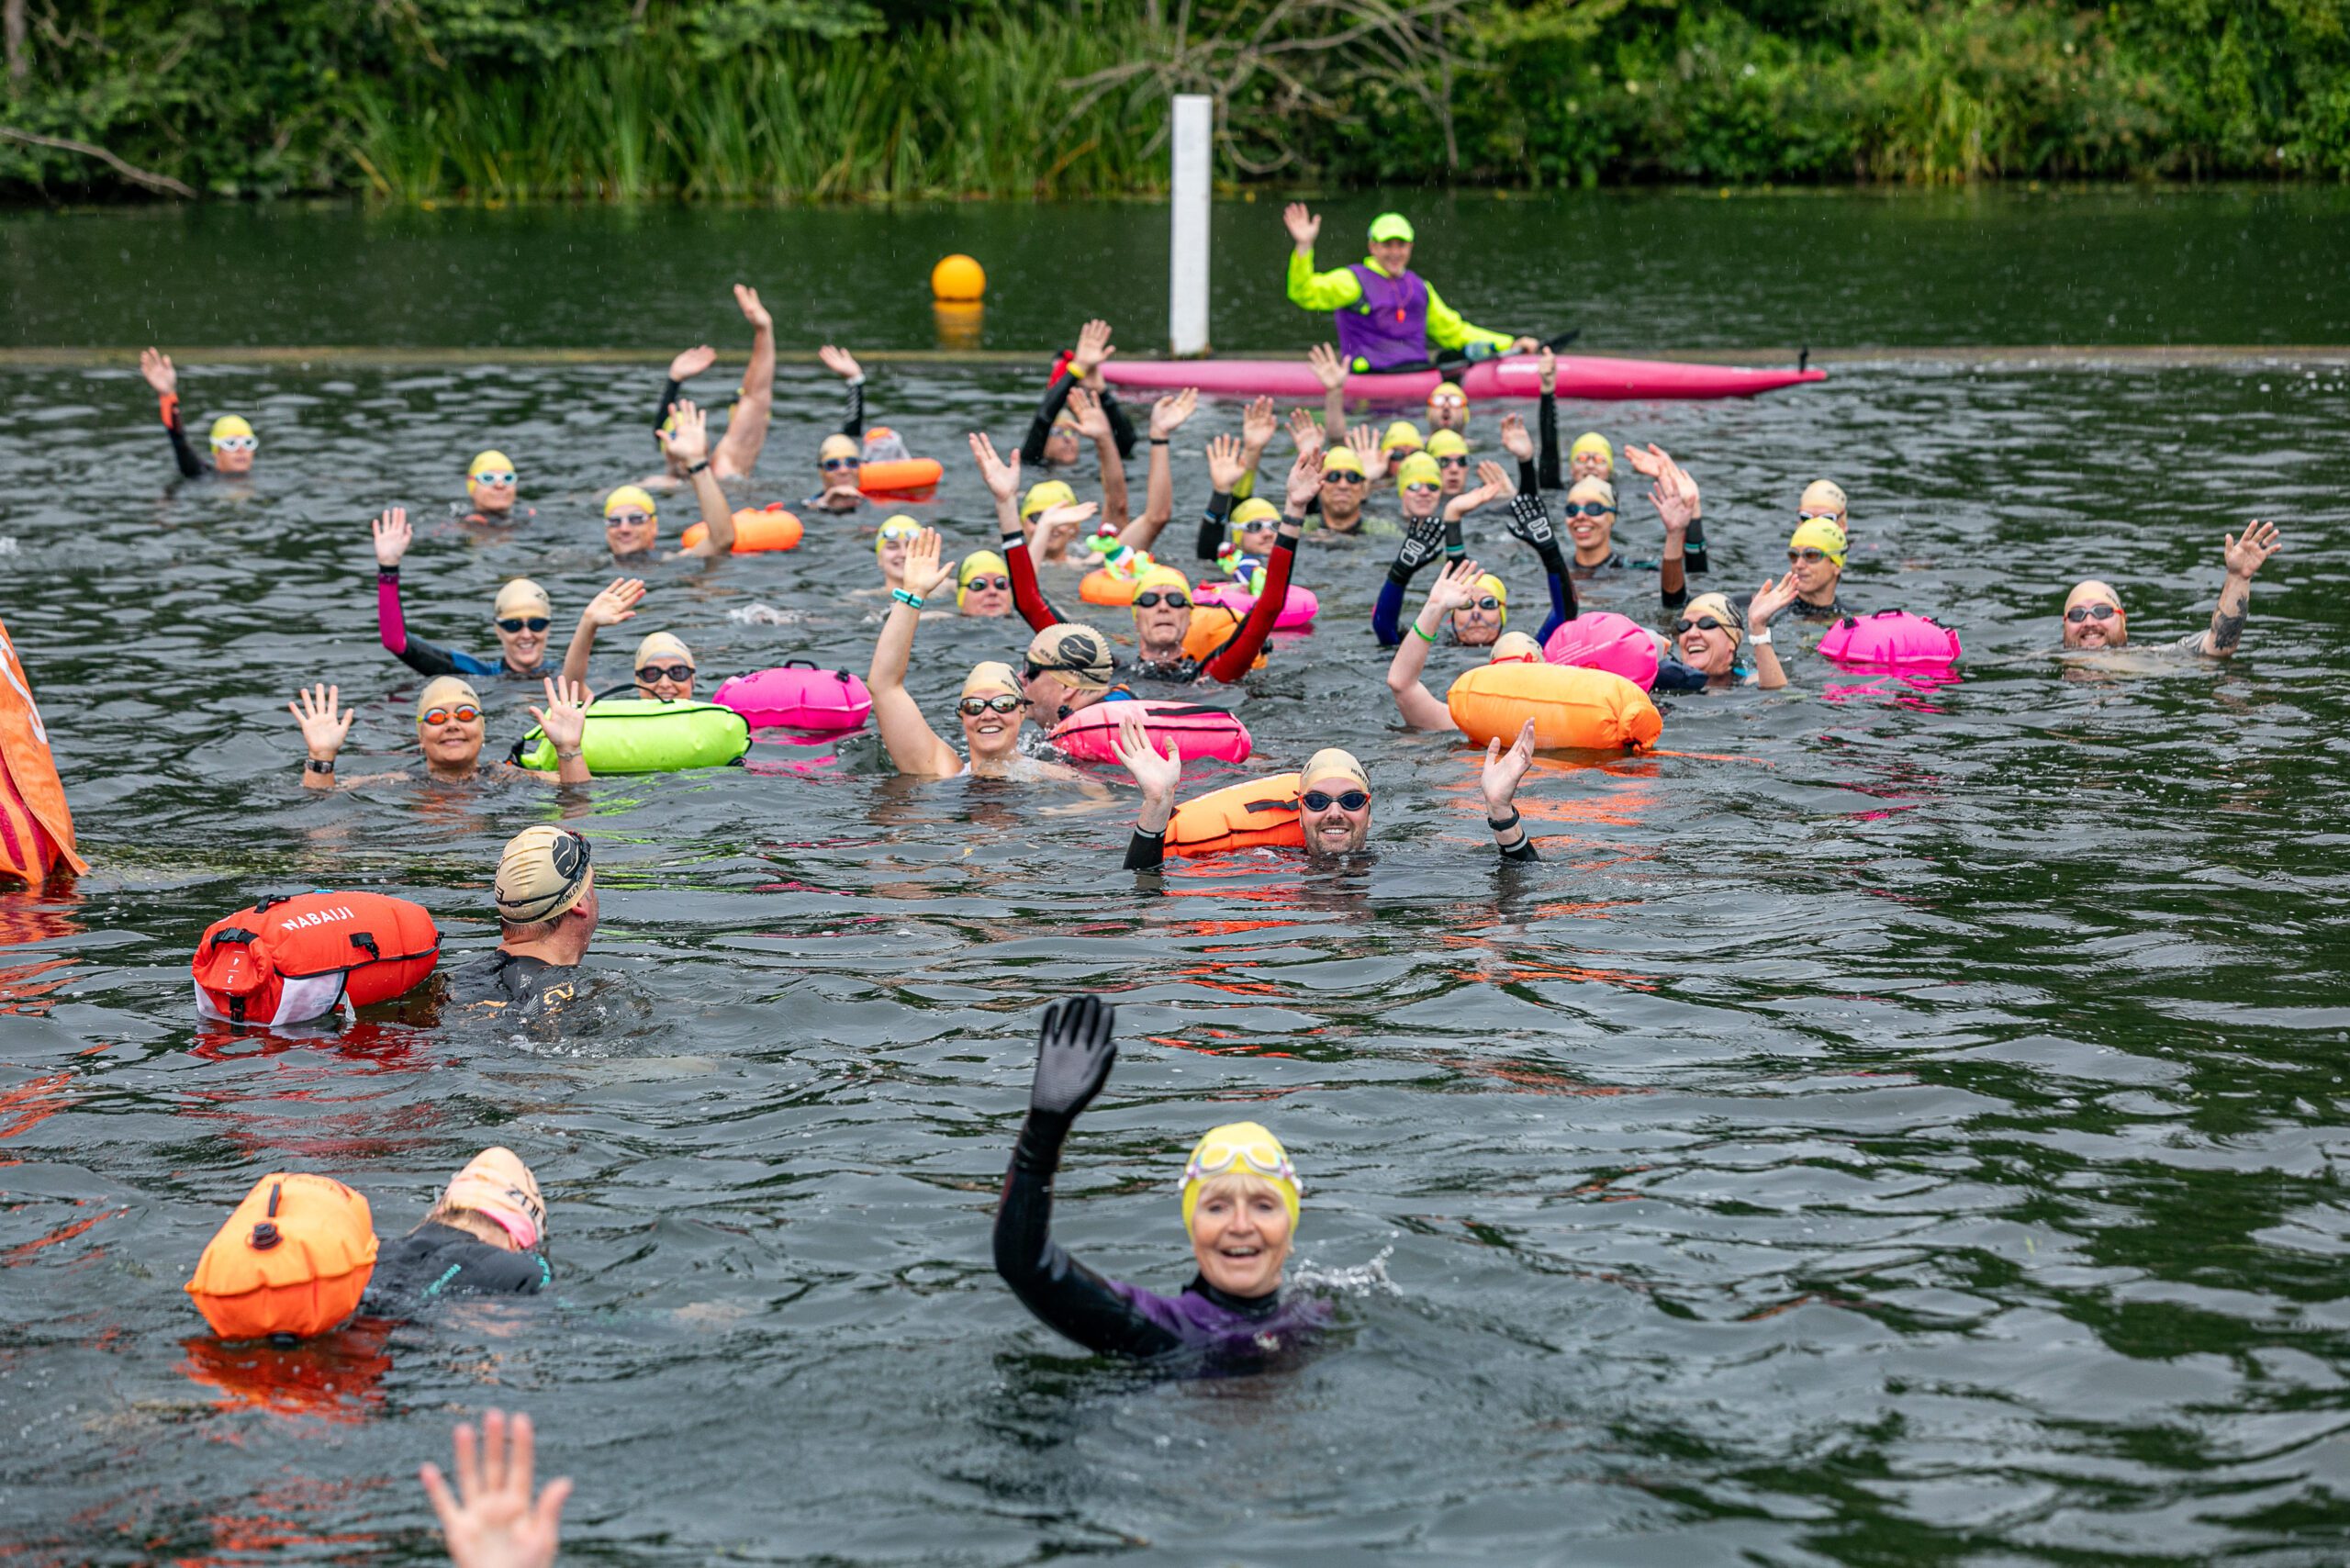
(464, 712)
(628, 519)
(237, 443)
(1460, 460)
(998, 584)
(1703, 624)
(2081, 613)
(486, 478)
(1421, 489)
(1485, 602)
(1806, 556)
(972, 707)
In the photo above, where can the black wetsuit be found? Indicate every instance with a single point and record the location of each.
(191, 466)
(514, 981)
(1040, 429)
(435, 1260)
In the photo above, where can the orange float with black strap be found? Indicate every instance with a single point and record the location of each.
(1107, 588)
(1259, 812)
(1212, 627)
(1573, 709)
(287, 960)
(36, 826)
(766, 528)
(294, 1259)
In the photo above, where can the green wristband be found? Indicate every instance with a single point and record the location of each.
(1430, 636)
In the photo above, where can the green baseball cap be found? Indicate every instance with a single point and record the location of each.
(1391, 226)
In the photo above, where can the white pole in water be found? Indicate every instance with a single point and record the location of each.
(1187, 292)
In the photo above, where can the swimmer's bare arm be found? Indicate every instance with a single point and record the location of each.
(1678, 507)
(1158, 775)
(1503, 772)
(1773, 596)
(1094, 425)
(1419, 707)
(689, 444)
(325, 723)
(746, 428)
(2244, 555)
(1332, 373)
(563, 722)
(1257, 428)
(1167, 417)
(1655, 464)
(610, 607)
(912, 744)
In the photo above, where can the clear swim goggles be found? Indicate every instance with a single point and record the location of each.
(236, 443)
(1257, 1157)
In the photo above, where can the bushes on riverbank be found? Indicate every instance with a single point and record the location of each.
(821, 99)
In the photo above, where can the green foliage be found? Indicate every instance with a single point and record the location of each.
(417, 100)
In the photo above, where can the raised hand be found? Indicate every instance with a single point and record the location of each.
(2247, 553)
(1365, 441)
(1086, 409)
(1423, 542)
(1648, 461)
(1071, 515)
(1492, 482)
(1092, 348)
(1546, 370)
(924, 573)
(1774, 595)
(1074, 1053)
(1675, 502)
(1257, 425)
(1302, 225)
(1168, 414)
(1530, 519)
(156, 366)
(1003, 479)
(1225, 465)
(746, 299)
(1304, 430)
(1305, 480)
(392, 536)
(563, 719)
(324, 721)
(688, 437)
(1516, 440)
(1327, 367)
(615, 604)
(1158, 775)
(692, 362)
(493, 1521)
(1504, 769)
(841, 363)
(1454, 587)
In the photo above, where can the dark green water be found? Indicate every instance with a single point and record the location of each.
(1633, 270)
(1904, 1128)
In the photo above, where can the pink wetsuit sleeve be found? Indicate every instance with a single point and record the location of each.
(1231, 661)
(390, 624)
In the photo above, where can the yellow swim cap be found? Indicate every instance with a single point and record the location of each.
(1403, 433)
(1336, 459)
(444, 691)
(1418, 469)
(898, 527)
(1048, 493)
(978, 563)
(1821, 535)
(1259, 513)
(662, 646)
(490, 462)
(521, 597)
(1500, 591)
(1239, 1148)
(630, 496)
(1447, 444)
(228, 425)
(1160, 577)
(1593, 443)
(1448, 392)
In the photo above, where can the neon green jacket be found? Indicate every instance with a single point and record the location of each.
(1334, 291)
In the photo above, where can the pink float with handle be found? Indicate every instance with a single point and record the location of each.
(1298, 609)
(1891, 639)
(1601, 639)
(1091, 733)
(797, 695)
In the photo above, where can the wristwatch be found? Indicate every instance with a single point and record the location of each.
(312, 764)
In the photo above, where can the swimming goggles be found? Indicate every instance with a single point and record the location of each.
(516, 622)
(1154, 597)
(1835, 517)
(628, 519)
(832, 463)
(1263, 1158)
(1487, 602)
(464, 712)
(972, 707)
(1422, 490)
(1589, 508)
(237, 443)
(2081, 613)
(1330, 476)
(647, 674)
(1808, 556)
(1322, 800)
(486, 478)
(1703, 624)
(1459, 462)
(987, 585)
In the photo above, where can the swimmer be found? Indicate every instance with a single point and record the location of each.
(632, 517)
(746, 426)
(519, 615)
(1816, 555)
(484, 1236)
(1447, 410)
(1401, 439)
(983, 585)
(1050, 518)
(1714, 641)
(1252, 524)
(1334, 793)
(547, 910)
(991, 707)
(1431, 526)
(493, 1521)
(1385, 314)
(890, 550)
(664, 666)
(1591, 457)
(1056, 436)
(232, 440)
(1675, 495)
(1824, 499)
(1241, 1207)
(493, 486)
(2095, 620)
(1452, 454)
(449, 732)
(1478, 607)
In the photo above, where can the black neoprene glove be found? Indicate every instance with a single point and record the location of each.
(1074, 1053)
(1530, 519)
(1423, 542)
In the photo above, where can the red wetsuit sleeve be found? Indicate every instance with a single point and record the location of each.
(1229, 663)
(1027, 597)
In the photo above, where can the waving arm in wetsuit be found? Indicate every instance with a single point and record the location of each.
(156, 366)
(1671, 481)
(1529, 520)
(1002, 480)
(843, 363)
(392, 538)
(1074, 1053)
(1236, 654)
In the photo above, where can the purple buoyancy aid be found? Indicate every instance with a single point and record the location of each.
(1389, 325)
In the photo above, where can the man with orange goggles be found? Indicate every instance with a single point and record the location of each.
(450, 727)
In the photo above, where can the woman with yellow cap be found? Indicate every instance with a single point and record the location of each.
(493, 488)
(983, 585)
(1458, 590)
(1450, 450)
(890, 542)
(449, 728)
(1816, 559)
(631, 517)
(1043, 523)
(232, 440)
(991, 705)
(485, 1235)
(1241, 1207)
(1429, 532)
(519, 615)
(746, 425)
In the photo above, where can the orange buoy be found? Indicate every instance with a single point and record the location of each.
(36, 826)
(292, 959)
(957, 280)
(295, 1259)
(1212, 627)
(1239, 816)
(1104, 587)
(1573, 709)
(769, 528)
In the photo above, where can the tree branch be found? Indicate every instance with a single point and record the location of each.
(152, 181)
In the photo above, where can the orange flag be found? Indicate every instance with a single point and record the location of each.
(36, 827)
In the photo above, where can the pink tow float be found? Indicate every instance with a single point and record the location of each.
(1891, 639)
(1601, 639)
(798, 696)
(1091, 733)
(1298, 610)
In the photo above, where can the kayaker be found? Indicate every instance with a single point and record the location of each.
(1386, 314)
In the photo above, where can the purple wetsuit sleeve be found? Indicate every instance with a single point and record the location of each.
(1229, 663)
(1101, 1315)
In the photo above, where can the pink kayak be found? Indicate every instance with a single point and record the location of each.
(1585, 377)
